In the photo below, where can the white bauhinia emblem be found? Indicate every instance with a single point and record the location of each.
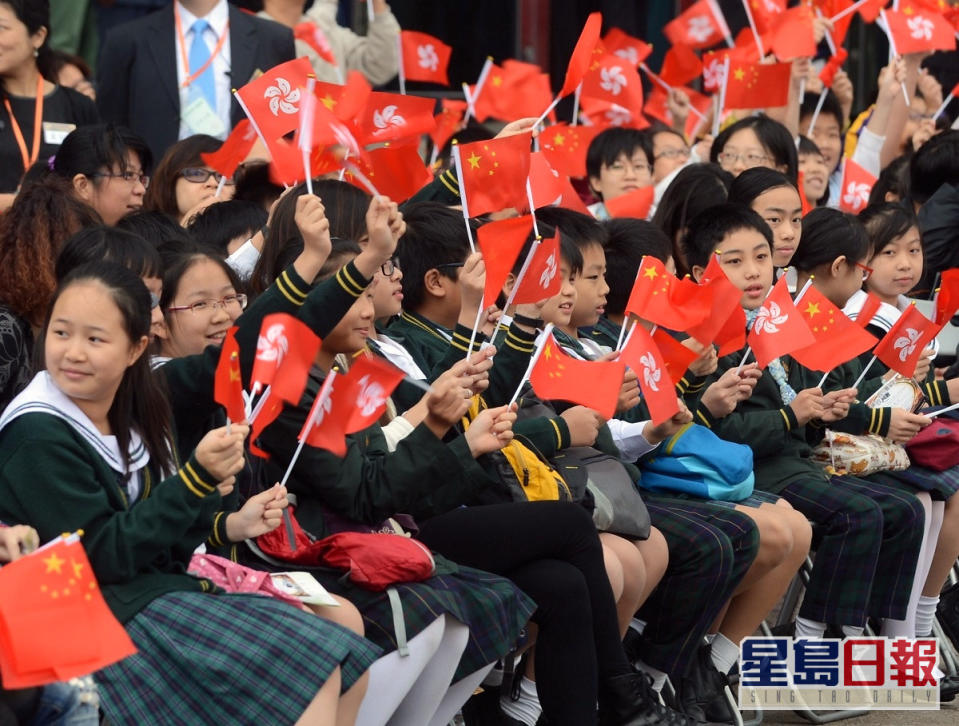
(549, 273)
(387, 117)
(618, 116)
(651, 372)
(272, 346)
(713, 73)
(771, 6)
(324, 408)
(857, 195)
(700, 28)
(612, 80)
(906, 345)
(371, 398)
(920, 27)
(282, 97)
(628, 54)
(768, 319)
(428, 57)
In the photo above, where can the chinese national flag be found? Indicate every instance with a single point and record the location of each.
(501, 242)
(713, 68)
(545, 182)
(724, 308)
(233, 151)
(228, 384)
(448, 120)
(285, 351)
(313, 36)
(558, 376)
(272, 101)
(346, 102)
(676, 357)
(700, 26)
(54, 623)
(396, 171)
(626, 46)
(661, 298)
(868, 311)
(493, 174)
(828, 73)
(266, 412)
(947, 299)
(565, 147)
(902, 346)
(636, 203)
(424, 57)
(613, 80)
(794, 36)
(830, 9)
(779, 328)
(767, 13)
(541, 279)
(838, 339)
(373, 380)
(870, 10)
(657, 107)
(757, 85)
(525, 92)
(582, 56)
(855, 187)
(917, 29)
(643, 357)
(681, 65)
(391, 116)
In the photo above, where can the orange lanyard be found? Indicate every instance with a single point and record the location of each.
(183, 53)
(37, 127)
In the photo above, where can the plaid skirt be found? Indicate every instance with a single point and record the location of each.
(940, 484)
(239, 659)
(494, 609)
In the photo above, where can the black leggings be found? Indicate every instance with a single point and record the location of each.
(552, 552)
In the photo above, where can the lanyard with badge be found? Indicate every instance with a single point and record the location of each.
(37, 123)
(198, 114)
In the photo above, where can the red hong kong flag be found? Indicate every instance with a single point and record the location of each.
(636, 204)
(838, 339)
(391, 116)
(902, 346)
(681, 65)
(285, 351)
(272, 101)
(868, 311)
(726, 315)
(565, 147)
(582, 56)
(676, 357)
(779, 328)
(699, 26)
(713, 65)
(373, 380)
(493, 174)
(541, 278)
(228, 383)
(424, 57)
(767, 13)
(661, 298)
(54, 622)
(545, 182)
(855, 187)
(643, 357)
(947, 299)
(917, 30)
(558, 376)
(626, 46)
(448, 120)
(233, 151)
(313, 36)
(614, 80)
(501, 242)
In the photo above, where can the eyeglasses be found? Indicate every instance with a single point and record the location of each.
(198, 175)
(672, 154)
(131, 177)
(866, 271)
(749, 159)
(207, 307)
(389, 267)
(621, 167)
(449, 265)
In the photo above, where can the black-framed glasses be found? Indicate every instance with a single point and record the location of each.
(389, 267)
(449, 265)
(131, 177)
(199, 175)
(207, 307)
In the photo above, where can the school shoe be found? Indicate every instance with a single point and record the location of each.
(948, 688)
(947, 613)
(629, 700)
(701, 693)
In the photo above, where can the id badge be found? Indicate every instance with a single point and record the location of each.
(54, 133)
(201, 118)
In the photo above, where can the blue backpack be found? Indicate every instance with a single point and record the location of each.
(695, 461)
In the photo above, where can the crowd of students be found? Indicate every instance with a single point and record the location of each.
(124, 267)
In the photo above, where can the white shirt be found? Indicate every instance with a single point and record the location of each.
(218, 19)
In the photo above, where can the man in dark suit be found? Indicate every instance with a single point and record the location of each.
(169, 75)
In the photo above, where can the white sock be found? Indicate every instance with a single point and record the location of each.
(724, 653)
(852, 631)
(526, 708)
(659, 678)
(806, 628)
(925, 614)
(906, 628)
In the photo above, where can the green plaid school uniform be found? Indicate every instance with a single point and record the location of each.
(197, 661)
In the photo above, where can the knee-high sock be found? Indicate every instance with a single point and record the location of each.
(419, 705)
(907, 628)
(393, 675)
(457, 695)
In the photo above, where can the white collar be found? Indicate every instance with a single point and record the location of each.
(217, 17)
(42, 396)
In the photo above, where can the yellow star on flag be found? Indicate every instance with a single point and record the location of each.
(474, 160)
(548, 351)
(651, 273)
(54, 563)
(77, 568)
(497, 81)
(559, 139)
(328, 101)
(812, 310)
(739, 74)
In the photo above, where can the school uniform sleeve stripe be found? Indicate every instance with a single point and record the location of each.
(348, 283)
(937, 392)
(449, 180)
(218, 535)
(189, 484)
(191, 469)
(789, 418)
(297, 287)
(516, 344)
(703, 418)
